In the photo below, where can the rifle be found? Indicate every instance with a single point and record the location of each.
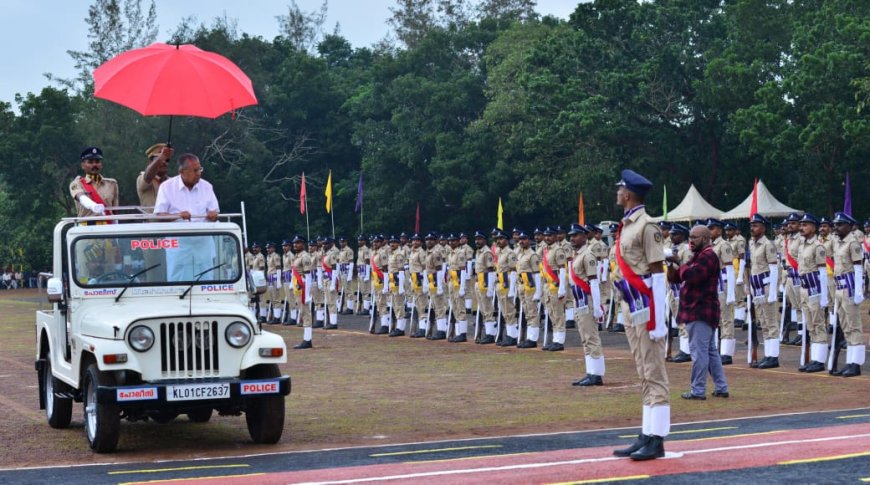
(449, 316)
(835, 344)
(372, 309)
(358, 299)
(752, 339)
(546, 326)
(285, 309)
(782, 316)
(477, 324)
(520, 338)
(805, 349)
(430, 322)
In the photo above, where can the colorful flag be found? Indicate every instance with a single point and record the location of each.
(302, 195)
(847, 204)
(359, 194)
(753, 209)
(328, 193)
(417, 220)
(665, 204)
(581, 218)
(500, 224)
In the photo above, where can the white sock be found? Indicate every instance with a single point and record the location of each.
(661, 420)
(774, 348)
(264, 312)
(740, 314)
(424, 324)
(569, 314)
(277, 312)
(294, 314)
(512, 331)
(590, 365)
(349, 304)
(620, 319)
(333, 319)
(365, 304)
(646, 426)
(400, 324)
(819, 352)
(684, 345)
(490, 328)
(599, 366)
(462, 327)
(794, 317)
(859, 354)
(728, 346)
(559, 337)
(441, 324)
(320, 315)
(385, 321)
(533, 333)
(468, 303)
(306, 334)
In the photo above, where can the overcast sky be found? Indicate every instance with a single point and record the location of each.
(36, 34)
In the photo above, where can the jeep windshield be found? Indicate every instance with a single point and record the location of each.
(112, 261)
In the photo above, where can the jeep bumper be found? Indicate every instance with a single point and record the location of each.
(183, 393)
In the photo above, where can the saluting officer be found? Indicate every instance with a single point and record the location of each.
(639, 255)
(814, 292)
(726, 290)
(587, 293)
(528, 263)
(848, 274)
(763, 284)
(505, 260)
(303, 284)
(93, 193)
(484, 267)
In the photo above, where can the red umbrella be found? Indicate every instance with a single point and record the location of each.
(183, 80)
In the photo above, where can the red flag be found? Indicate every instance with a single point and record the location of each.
(753, 209)
(417, 220)
(302, 195)
(581, 211)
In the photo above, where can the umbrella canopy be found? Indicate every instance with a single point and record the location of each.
(182, 80)
(768, 206)
(693, 206)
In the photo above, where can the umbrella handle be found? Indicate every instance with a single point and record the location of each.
(169, 136)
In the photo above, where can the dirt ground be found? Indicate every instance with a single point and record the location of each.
(358, 389)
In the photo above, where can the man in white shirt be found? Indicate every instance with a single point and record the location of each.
(191, 199)
(186, 195)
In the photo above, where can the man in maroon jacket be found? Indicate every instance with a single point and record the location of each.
(699, 310)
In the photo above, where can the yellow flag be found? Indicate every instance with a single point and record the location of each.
(329, 193)
(500, 224)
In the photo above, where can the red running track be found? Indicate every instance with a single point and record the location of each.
(581, 464)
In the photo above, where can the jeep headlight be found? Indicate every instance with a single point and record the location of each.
(141, 338)
(238, 334)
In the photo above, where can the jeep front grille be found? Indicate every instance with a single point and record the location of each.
(189, 349)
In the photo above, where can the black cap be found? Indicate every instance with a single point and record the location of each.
(92, 153)
(479, 234)
(712, 222)
(665, 225)
(416, 237)
(431, 237)
(299, 238)
(843, 218)
(285, 242)
(393, 238)
(270, 244)
(577, 229)
(678, 228)
(810, 219)
(793, 217)
(635, 182)
(824, 221)
(729, 225)
(759, 219)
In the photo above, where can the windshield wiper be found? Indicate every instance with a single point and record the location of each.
(131, 278)
(197, 279)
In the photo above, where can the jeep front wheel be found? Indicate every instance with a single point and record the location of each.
(58, 410)
(265, 414)
(102, 421)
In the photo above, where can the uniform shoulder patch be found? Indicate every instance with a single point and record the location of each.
(658, 237)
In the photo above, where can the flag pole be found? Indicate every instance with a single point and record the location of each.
(332, 214)
(307, 227)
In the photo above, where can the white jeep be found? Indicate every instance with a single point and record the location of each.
(152, 320)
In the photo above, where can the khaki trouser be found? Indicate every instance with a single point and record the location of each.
(530, 307)
(649, 358)
(793, 294)
(484, 302)
(815, 318)
(739, 297)
(304, 315)
(274, 294)
(556, 309)
(381, 301)
(456, 301)
(507, 307)
(364, 288)
(726, 321)
(766, 315)
(588, 328)
(849, 317)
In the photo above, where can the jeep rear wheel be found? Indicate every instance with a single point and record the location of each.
(265, 414)
(58, 410)
(102, 421)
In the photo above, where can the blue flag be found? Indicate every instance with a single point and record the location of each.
(359, 194)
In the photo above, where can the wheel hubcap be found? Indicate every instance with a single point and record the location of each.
(91, 411)
(49, 393)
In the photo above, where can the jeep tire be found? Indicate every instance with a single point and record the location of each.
(102, 421)
(265, 414)
(58, 410)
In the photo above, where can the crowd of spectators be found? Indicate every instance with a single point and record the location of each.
(10, 279)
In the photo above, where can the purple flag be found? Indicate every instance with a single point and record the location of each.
(359, 194)
(847, 205)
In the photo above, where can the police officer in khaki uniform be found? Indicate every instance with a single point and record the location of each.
(763, 284)
(587, 300)
(555, 280)
(435, 276)
(505, 260)
(814, 292)
(826, 237)
(484, 288)
(456, 290)
(345, 302)
(640, 255)
(93, 193)
(468, 255)
(363, 288)
(848, 274)
(679, 235)
(726, 291)
(317, 296)
(418, 286)
(380, 282)
(273, 276)
(790, 244)
(331, 282)
(287, 283)
(396, 280)
(303, 282)
(529, 288)
(148, 182)
(738, 250)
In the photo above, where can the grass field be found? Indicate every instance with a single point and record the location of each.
(359, 389)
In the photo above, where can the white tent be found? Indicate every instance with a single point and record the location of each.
(692, 207)
(768, 206)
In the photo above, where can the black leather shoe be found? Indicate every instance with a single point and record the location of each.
(693, 397)
(487, 339)
(420, 333)
(262, 319)
(364, 312)
(589, 380)
(397, 333)
(795, 341)
(305, 344)
(546, 348)
(851, 370)
(570, 324)
(682, 357)
(815, 366)
(438, 335)
(721, 394)
(769, 363)
(642, 440)
(331, 327)
(382, 330)
(507, 342)
(288, 324)
(619, 328)
(458, 338)
(317, 324)
(654, 448)
(556, 347)
(727, 360)
(291, 321)
(527, 344)
(740, 323)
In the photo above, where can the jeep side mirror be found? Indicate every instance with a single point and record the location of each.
(258, 278)
(54, 290)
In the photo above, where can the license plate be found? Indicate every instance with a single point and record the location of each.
(193, 392)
